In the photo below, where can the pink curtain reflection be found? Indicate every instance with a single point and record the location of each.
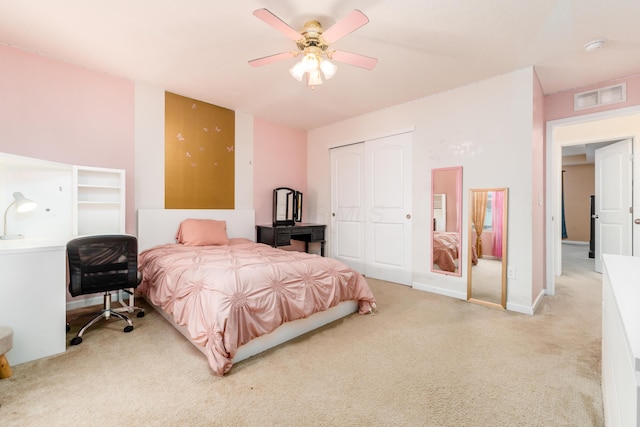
(497, 209)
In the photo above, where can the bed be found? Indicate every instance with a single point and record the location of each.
(446, 246)
(446, 250)
(235, 298)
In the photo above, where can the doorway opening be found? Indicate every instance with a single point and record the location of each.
(597, 127)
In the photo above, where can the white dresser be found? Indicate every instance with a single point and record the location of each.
(621, 340)
(32, 297)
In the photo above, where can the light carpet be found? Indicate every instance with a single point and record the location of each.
(422, 360)
(486, 280)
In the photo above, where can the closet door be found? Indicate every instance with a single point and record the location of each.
(388, 206)
(347, 205)
(371, 207)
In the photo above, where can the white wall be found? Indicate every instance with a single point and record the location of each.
(149, 137)
(49, 184)
(149, 150)
(486, 128)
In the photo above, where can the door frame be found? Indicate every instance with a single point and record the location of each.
(553, 229)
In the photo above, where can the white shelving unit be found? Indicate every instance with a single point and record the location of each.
(99, 208)
(99, 200)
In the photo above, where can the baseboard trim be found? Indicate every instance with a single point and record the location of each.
(538, 300)
(519, 308)
(439, 291)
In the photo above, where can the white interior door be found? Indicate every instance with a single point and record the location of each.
(347, 205)
(613, 187)
(388, 208)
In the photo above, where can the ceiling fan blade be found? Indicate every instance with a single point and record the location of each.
(346, 25)
(354, 59)
(259, 62)
(277, 23)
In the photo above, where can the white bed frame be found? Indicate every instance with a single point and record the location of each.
(159, 226)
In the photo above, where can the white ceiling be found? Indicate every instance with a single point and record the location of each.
(200, 48)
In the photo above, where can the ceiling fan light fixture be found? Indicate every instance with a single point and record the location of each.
(314, 78)
(311, 62)
(297, 71)
(313, 44)
(328, 68)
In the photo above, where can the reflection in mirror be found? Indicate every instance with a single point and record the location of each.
(287, 206)
(446, 220)
(487, 269)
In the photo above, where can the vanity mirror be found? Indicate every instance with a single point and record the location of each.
(287, 206)
(487, 266)
(446, 220)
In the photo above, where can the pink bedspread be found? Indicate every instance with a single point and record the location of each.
(228, 295)
(445, 250)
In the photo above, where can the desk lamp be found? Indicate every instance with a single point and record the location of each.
(22, 205)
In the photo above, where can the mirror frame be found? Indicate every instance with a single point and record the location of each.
(458, 212)
(292, 206)
(505, 216)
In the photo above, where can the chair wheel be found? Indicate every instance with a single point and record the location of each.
(128, 328)
(140, 314)
(76, 340)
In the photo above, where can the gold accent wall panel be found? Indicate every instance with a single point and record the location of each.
(199, 154)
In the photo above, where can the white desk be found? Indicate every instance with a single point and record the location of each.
(32, 297)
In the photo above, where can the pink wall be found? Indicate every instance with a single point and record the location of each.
(280, 160)
(560, 105)
(55, 111)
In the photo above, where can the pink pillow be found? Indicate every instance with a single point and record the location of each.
(202, 232)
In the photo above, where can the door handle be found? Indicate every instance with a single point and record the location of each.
(636, 221)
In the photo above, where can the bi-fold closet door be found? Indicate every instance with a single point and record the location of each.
(371, 207)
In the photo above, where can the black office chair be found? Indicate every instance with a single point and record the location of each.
(104, 264)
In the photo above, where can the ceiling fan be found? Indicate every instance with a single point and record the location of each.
(313, 44)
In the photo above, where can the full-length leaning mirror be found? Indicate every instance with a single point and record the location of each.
(487, 266)
(446, 221)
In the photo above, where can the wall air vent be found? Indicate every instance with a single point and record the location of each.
(597, 97)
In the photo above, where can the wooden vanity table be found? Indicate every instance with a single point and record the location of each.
(282, 235)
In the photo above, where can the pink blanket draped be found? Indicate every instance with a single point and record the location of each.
(228, 295)
(445, 250)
